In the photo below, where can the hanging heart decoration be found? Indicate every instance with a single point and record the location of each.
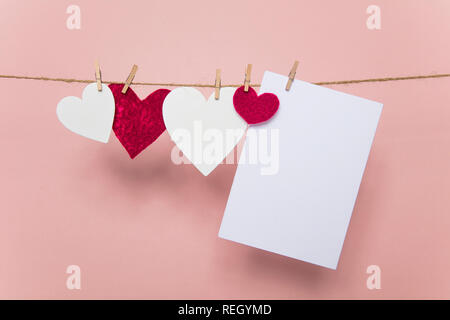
(255, 109)
(206, 131)
(138, 123)
(91, 116)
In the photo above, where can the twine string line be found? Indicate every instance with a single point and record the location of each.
(200, 85)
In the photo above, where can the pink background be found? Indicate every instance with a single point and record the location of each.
(146, 228)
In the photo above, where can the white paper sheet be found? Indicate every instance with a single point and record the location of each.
(302, 208)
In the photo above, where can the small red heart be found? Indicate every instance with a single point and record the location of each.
(138, 123)
(253, 108)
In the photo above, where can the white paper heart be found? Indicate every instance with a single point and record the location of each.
(92, 116)
(205, 131)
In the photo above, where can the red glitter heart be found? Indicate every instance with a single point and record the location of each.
(138, 123)
(253, 108)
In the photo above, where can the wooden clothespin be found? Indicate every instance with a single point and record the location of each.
(129, 79)
(247, 77)
(98, 76)
(217, 84)
(292, 75)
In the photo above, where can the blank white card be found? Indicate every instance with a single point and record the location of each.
(303, 208)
